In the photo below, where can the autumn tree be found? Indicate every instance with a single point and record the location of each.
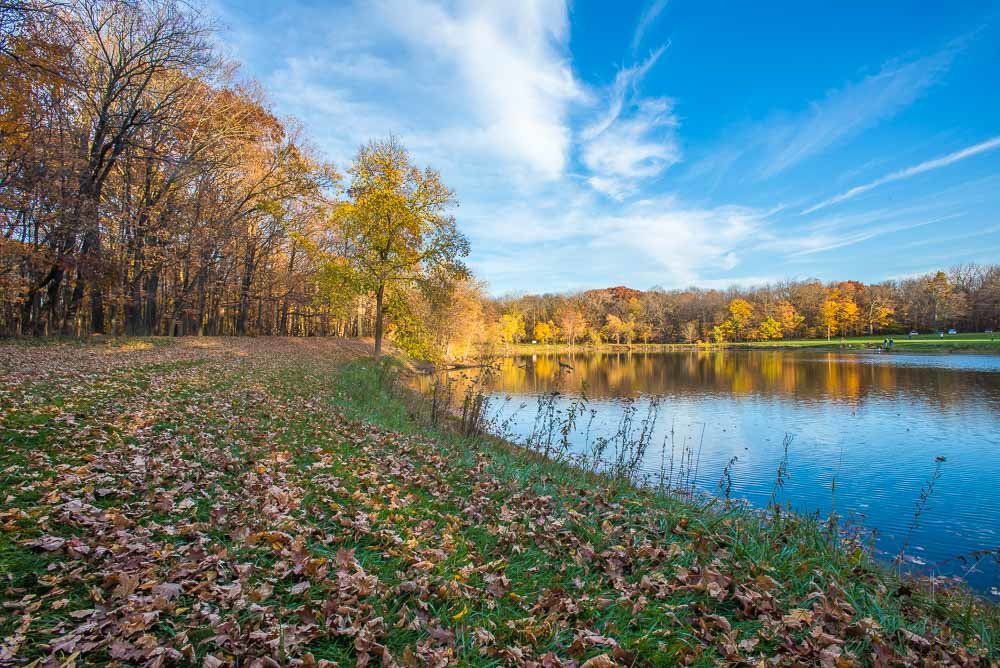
(788, 317)
(769, 329)
(839, 313)
(876, 308)
(947, 304)
(572, 323)
(829, 314)
(512, 327)
(618, 328)
(461, 325)
(614, 327)
(130, 50)
(724, 331)
(394, 227)
(690, 331)
(741, 315)
(544, 332)
(643, 330)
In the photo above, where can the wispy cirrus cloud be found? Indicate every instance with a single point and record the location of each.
(983, 232)
(634, 139)
(648, 17)
(847, 111)
(808, 243)
(899, 175)
(786, 140)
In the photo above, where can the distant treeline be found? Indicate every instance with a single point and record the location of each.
(966, 298)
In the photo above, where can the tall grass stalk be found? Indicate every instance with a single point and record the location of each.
(921, 505)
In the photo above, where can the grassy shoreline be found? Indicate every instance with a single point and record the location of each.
(217, 501)
(983, 343)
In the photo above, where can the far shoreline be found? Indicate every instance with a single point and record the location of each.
(971, 343)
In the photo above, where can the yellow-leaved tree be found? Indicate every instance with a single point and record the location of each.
(512, 327)
(769, 329)
(741, 315)
(545, 332)
(838, 313)
(395, 228)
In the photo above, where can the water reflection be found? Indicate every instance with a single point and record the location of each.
(875, 423)
(801, 376)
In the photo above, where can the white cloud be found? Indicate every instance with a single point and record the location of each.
(474, 88)
(785, 140)
(635, 139)
(647, 19)
(508, 70)
(575, 243)
(679, 241)
(802, 243)
(926, 166)
(848, 111)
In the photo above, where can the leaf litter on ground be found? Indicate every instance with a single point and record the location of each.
(221, 502)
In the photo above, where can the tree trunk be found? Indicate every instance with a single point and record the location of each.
(243, 315)
(55, 287)
(151, 315)
(76, 297)
(133, 306)
(96, 306)
(378, 319)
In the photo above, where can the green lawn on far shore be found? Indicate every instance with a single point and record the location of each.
(964, 342)
(969, 341)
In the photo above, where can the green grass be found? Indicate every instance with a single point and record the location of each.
(970, 342)
(276, 499)
(921, 342)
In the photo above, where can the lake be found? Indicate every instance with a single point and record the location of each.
(874, 423)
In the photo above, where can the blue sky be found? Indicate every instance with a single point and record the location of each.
(662, 143)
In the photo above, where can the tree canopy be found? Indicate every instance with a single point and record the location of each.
(395, 229)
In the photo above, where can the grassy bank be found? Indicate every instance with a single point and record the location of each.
(986, 343)
(219, 501)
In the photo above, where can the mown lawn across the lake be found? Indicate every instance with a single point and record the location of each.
(902, 342)
(967, 342)
(278, 502)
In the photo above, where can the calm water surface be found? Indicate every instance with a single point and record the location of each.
(874, 422)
